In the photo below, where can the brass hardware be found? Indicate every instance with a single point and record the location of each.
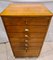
(26, 40)
(26, 45)
(26, 35)
(26, 49)
(26, 29)
(26, 21)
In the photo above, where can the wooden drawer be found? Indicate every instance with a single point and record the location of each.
(31, 52)
(28, 44)
(36, 35)
(30, 28)
(24, 48)
(31, 40)
(14, 21)
(24, 20)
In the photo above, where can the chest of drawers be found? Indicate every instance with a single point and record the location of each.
(26, 26)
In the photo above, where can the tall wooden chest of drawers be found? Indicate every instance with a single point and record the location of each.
(26, 26)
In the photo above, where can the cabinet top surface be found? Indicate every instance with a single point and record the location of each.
(26, 10)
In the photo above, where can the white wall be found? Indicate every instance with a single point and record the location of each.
(49, 37)
(3, 37)
(30, 0)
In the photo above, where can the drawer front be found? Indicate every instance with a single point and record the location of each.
(26, 34)
(31, 52)
(31, 40)
(17, 48)
(23, 20)
(15, 29)
(27, 44)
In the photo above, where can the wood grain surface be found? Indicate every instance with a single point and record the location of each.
(26, 10)
(26, 26)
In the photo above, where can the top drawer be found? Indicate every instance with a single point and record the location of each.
(26, 20)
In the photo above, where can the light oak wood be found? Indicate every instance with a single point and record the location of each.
(22, 28)
(31, 40)
(17, 48)
(22, 20)
(14, 20)
(17, 44)
(26, 10)
(22, 35)
(26, 26)
(30, 53)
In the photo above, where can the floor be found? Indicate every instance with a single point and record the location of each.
(7, 54)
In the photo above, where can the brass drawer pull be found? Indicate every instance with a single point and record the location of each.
(26, 29)
(26, 49)
(26, 21)
(26, 40)
(26, 45)
(26, 35)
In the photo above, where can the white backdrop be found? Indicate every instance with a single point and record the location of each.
(28, 0)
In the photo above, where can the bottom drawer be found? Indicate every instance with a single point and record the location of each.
(29, 53)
